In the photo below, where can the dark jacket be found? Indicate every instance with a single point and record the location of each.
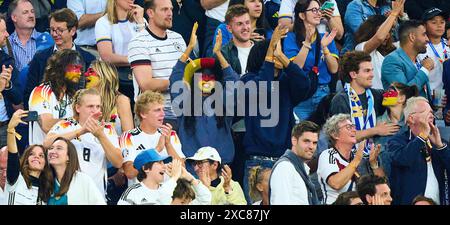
(269, 140)
(230, 53)
(409, 167)
(12, 95)
(446, 82)
(37, 69)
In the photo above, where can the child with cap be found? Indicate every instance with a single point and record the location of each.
(225, 191)
(152, 189)
(437, 49)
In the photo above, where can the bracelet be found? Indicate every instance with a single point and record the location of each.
(308, 46)
(326, 52)
(13, 132)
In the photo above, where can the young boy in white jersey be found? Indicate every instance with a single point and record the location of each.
(95, 141)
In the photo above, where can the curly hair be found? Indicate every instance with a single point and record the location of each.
(55, 70)
(350, 62)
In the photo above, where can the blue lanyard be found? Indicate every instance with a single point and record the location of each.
(436, 53)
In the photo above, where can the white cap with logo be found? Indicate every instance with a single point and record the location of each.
(206, 153)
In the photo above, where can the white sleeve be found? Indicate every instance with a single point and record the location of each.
(202, 195)
(287, 8)
(281, 186)
(360, 46)
(166, 192)
(77, 7)
(103, 30)
(138, 52)
(112, 136)
(40, 100)
(327, 166)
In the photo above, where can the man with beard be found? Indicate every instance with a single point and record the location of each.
(290, 183)
(53, 98)
(403, 66)
(154, 52)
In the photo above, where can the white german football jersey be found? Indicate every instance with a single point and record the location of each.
(330, 163)
(134, 141)
(43, 100)
(139, 194)
(91, 155)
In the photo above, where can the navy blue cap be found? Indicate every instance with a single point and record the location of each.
(147, 156)
(432, 12)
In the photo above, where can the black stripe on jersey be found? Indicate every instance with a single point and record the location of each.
(324, 192)
(12, 196)
(125, 194)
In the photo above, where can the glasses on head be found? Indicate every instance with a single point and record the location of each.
(58, 31)
(349, 127)
(314, 10)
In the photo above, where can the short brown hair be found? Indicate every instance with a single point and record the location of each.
(65, 15)
(305, 126)
(144, 99)
(350, 62)
(235, 11)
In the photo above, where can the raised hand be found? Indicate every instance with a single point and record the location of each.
(218, 45)
(17, 118)
(176, 169)
(435, 136)
(360, 151)
(398, 7)
(203, 176)
(137, 12)
(310, 32)
(328, 38)
(376, 200)
(428, 63)
(374, 152)
(278, 33)
(193, 39)
(227, 175)
(327, 13)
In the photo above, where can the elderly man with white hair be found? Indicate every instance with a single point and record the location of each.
(420, 158)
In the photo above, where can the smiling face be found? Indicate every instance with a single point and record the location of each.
(347, 132)
(312, 15)
(58, 153)
(364, 76)
(36, 159)
(435, 26)
(73, 72)
(305, 145)
(240, 27)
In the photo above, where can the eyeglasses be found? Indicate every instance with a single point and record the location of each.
(349, 127)
(199, 163)
(58, 31)
(314, 10)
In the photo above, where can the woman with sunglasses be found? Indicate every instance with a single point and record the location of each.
(313, 52)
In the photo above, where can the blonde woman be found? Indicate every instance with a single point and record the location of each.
(115, 106)
(114, 31)
(258, 180)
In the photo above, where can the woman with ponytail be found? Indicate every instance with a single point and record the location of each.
(258, 180)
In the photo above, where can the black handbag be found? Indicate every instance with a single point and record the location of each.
(313, 74)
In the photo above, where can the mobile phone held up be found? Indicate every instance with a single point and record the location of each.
(327, 5)
(32, 116)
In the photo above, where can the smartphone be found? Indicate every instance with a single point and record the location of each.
(327, 5)
(32, 116)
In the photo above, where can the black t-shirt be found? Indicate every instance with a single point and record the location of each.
(340, 102)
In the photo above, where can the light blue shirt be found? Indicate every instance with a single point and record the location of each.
(23, 54)
(82, 7)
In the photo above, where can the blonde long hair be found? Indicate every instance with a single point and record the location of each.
(111, 12)
(108, 87)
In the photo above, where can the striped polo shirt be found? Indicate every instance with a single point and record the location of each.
(23, 54)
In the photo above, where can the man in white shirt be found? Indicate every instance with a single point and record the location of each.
(289, 181)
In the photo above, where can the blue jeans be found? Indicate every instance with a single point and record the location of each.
(248, 165)
(304, 109)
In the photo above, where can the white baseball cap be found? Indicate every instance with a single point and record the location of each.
(206, 153)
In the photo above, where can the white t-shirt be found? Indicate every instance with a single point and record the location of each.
(218, 12)
(287, 186)
(3, 197)
(19, 194)
(432, 186)
(119, 34)
(43, 100)
(330, 163)
(162, 54)
(435, 75)
(243, 56)
(80, 8)
(91, 155)
(139, 194)
(134, 141)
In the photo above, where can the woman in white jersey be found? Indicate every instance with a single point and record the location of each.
(27, 184)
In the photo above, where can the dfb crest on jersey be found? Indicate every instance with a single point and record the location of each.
(177, 46)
